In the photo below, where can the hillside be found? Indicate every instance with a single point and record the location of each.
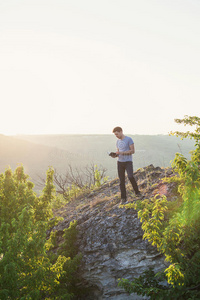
(36, 158)
(110, 237)
(38, 152)
(158, 150)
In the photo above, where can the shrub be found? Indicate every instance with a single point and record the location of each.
(175, 232)
(27, 270)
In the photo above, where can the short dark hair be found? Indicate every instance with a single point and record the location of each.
(117, 129)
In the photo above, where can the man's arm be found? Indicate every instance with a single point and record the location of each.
(129, 152)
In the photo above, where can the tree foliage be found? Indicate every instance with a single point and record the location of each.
(174, 227)
(191, 121)
(27, 270)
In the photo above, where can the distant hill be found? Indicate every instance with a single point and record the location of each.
(36, 158)
(158, 150)
(38, 152)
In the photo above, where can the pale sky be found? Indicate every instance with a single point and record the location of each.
(86, 66)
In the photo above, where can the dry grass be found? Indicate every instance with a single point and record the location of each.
(112, 202)
(97, 201)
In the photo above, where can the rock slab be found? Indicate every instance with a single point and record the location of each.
(110, 237)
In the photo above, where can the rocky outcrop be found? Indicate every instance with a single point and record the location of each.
(110, 237)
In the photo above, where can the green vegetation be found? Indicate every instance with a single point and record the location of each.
(29, 269)
(174, 227)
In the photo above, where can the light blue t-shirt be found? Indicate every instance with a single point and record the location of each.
(123, 145)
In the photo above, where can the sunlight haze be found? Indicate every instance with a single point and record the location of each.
(70, 67)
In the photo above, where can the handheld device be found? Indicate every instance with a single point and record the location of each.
(112, 154)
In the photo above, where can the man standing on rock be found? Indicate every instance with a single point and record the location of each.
(125, 150)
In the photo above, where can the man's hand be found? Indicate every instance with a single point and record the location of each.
(113, 154)
(120, 153)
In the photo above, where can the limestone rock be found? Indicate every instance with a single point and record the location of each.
(110, 237)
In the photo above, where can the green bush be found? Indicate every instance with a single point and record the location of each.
(27, 270)
(175, 229)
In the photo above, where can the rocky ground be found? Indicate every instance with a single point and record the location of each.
(110, 236)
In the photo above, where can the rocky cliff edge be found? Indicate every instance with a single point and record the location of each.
(110, 237)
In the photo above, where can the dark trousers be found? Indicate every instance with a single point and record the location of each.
(128, 167)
